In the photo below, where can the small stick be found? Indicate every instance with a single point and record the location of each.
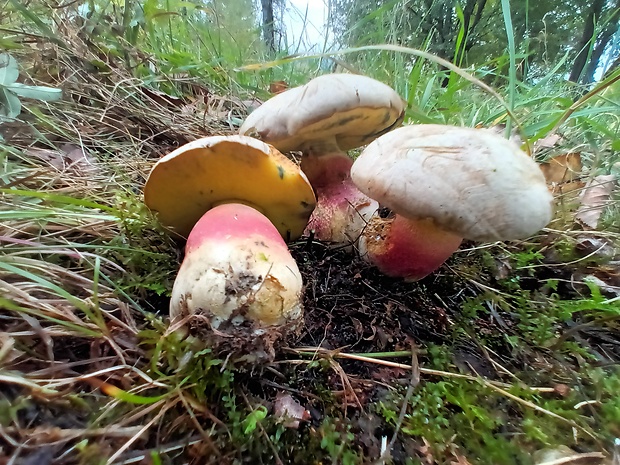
(426, 371)
(575, 458)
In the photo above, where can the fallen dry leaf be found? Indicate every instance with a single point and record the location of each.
(548, 141)
(426, 452)
(289, 410)
(566, 188)
(594, 198)
(562, 389)
(563, 455)
(563, 168)
(277, 87)
(460, 460)
(69, 157)
(162, 98)
(599, 247)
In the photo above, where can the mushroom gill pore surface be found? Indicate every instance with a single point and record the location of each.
(210, 171)
(330, 112)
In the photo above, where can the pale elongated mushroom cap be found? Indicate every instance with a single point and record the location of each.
(211, 171)
(471, 182)
(331, 112)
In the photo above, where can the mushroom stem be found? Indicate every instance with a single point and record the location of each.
(323, 169)
(342, 211)
(237, 275)
(406, 248)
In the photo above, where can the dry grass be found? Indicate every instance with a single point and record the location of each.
(79, 251)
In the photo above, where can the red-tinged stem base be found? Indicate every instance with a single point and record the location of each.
(342, 211)
(238, 287)
(404, 248)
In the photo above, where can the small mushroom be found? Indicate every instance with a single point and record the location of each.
(323, 119)
(239, 197)
(444, 184)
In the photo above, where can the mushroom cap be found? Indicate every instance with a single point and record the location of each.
(347, 110)
(211, 171)
(471, 182)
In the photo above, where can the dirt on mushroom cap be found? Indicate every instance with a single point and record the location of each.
(472, 182)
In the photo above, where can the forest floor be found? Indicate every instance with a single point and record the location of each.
(507, 354)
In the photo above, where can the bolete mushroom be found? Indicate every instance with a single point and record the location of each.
(239, 197)
(443, 184)
(323, 119)
(210, 171)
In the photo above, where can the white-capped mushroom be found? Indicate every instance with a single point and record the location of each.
(443, 184)
(324, 118)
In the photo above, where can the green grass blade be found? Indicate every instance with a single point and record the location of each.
(57, 198)
(513, 65)
(12, 306)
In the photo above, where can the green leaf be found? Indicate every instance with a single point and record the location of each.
(42, 27)
(7, 304)
(150, 8)
(128, 397)
(8, 69)
(8, 44)
(10, 106)
(47, 94)
(62, 199)
(253, 419)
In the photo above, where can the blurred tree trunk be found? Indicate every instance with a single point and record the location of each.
(438, 18)
(269, 35)
(601, 43)
(472, 14)
(614, 66)
(587, 37)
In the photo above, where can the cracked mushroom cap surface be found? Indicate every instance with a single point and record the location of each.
(215, 170)
(333, 111)
(471, 182)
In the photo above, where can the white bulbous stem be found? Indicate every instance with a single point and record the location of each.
(237, 273)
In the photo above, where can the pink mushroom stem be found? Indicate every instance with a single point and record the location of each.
(407, 248)
(237, 272)
(326, 169)
(399, 247)
(342, 211)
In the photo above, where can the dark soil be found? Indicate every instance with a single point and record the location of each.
(352, 307)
